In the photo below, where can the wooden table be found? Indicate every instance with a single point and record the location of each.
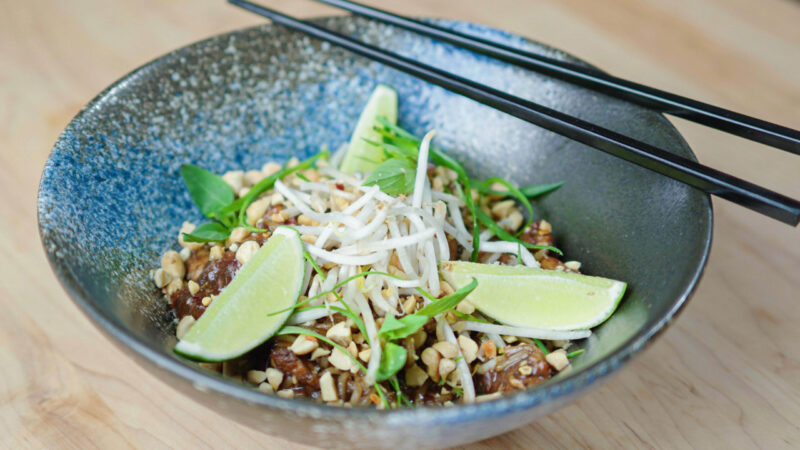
(726, 374)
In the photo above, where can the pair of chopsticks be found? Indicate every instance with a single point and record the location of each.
(710, 180)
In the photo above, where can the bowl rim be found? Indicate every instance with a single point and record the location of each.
(572, 384)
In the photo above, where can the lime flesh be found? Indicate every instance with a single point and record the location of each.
(530, 297)
(362, 156)
(238, 319)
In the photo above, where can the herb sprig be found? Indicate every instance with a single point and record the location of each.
(215, 199)
(398, 143)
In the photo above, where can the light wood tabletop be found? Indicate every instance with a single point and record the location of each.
(726, 374)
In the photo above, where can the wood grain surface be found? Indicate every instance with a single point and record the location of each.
(725, 375)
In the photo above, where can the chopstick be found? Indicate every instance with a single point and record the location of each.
(709, 115)
(710, 180)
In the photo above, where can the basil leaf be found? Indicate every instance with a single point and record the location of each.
(394, 176)
(207, 232)
(208, 190)
(393, 358)
(393, 329)
(448, 301)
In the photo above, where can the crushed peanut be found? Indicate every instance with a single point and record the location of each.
(415, 376)
(469, 348)
(558, 359)
(446, 349)
(327, 387)
(172, 263)
(256, 376)
(303, 345)
(340, 360)
(184, 325)
(246, 251)
(274, 377)
(340, 333)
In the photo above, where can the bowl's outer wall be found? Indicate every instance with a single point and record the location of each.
(111, 200)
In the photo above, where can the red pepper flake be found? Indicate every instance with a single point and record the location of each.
(339, 186)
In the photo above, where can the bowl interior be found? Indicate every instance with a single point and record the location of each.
(111, 199)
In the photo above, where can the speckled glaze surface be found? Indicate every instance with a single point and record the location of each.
(111, 201)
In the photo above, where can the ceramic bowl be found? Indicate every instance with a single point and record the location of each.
(111, 201)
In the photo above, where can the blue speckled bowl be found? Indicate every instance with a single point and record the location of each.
(111, 201)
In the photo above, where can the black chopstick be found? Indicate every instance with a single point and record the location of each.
(714, 182)
(709, 115)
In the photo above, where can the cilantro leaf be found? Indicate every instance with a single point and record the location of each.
(393, 329)
(394, 176)
(393, 358)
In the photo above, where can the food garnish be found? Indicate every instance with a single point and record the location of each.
(379, 275)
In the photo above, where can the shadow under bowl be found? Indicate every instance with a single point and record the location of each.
(111, 201)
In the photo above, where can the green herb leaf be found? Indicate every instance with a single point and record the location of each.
(393, 329)
(207, 232)
(208, 190)
(394, 176)
(393, 358)
(461, 315)
(575, 353)
(540, 189)
(448, 301)
(541, 346)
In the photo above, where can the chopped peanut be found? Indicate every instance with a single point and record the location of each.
(327, 387)
(235, 179)
(340, 360)
(430, 357)
(446, 366)
(469, 348)
(340, 333)
(246, 251)
(193, 287)
(172, 263)
(558, 359)
(319, 352)
(256, 211)
(446, 349)
(215, 253)
(238, 235)
(303, 345)
(274, 377)
(270, 168)
(161, 278)
(256, 376)
(184, 324)
(415, 376)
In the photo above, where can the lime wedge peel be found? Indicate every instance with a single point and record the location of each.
(362, 156)
(238, 319)
(529, 297)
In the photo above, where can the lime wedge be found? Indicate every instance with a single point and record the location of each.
(238, 319)
(362, 156)
(529, 297)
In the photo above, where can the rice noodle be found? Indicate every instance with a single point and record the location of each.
(512, 248)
